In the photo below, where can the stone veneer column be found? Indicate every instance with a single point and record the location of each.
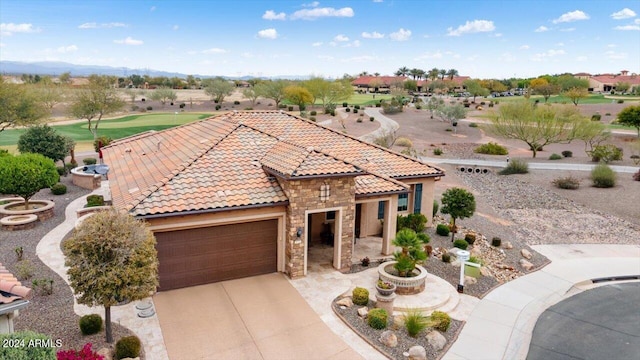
(304, 195)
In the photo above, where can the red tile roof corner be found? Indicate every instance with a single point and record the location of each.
(11, 289)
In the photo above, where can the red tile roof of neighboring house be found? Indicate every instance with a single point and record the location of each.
(613, 79)
(226, 162)
(11, 289)
(385, 81)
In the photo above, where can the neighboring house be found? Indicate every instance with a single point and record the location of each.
(386, 83)
(607, 82)
(246, 193)
(13, 297)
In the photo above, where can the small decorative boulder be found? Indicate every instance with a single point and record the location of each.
(417, 353)
(526, 265)
(470, 280)
(436, 340)
(508, 245)
(345, 301)
(105, 353)
(389, 338)
(363, 311)
(526, 254)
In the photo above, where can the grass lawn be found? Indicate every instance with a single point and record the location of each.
(114, 128)
(559, 99)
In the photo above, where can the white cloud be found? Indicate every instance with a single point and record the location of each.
(582, 58)
(524, 47)
(93, 25)
(612, 55)
(568, 29)
(623, 14)
(11, 28)
(571, 16)
(317, 43)
(214, 51)
(340, 38)
(628, 28)
(311, 4)
(268, 34)
(548, 54)
(271, 15)
(315, 13)
(542, 28)
(175, 27)
(470, 27)
(400, 35)
(129, 41)
(67, 49)
(354, 43)
(373, 35)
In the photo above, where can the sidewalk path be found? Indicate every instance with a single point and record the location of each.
(501, 325)
(532, 165)
(386, 124)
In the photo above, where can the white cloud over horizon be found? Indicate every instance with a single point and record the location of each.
(541, 28)
(372, 35)
(400, 35)
(11, 28)
(67, 49)
(268, 34)
(271, 15)
(340, 38)
(471, 27)
(129, 41)
(93, 25)
(315, 13)
(572, 16)
(623, 14)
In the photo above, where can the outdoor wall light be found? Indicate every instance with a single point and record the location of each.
(325, 192)
(299, 232)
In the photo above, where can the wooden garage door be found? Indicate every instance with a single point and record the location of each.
(205, 255)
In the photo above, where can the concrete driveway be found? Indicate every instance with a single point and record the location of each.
(261, 317)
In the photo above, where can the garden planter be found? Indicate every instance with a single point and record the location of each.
(404, 285)
(386, 292)
(43, 209)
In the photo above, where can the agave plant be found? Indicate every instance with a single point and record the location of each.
(412, 252)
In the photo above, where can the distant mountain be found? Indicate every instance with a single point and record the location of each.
(54, 68)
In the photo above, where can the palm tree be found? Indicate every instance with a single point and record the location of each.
(376, 74)
(442, 73)
(452, 73)
(403, 71)
(412, 245)
(364, 73)
(421, 74)
(414, 73)
(433, 74)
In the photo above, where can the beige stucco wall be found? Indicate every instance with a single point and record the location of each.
(6, 323)
(428, 187)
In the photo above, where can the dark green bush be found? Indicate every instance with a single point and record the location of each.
(290, 108)
(95, 200)
(555, 157)
(236, 102)
(596, 117)
(473, 125)
(355, 111)
(25, 352)
(61, 170)
(313, 113)
(461, 244)
(620, 101)
(90, 161)
(360, 296)
(496, 241)
(333, 113)
(344, 104)
(59, 189)
(378, 104)
(312, 118)
(636, 176)
(414, 322)
(603, 176)
(440, 320)
(415, 222)
(515, 166)
(470, 238)
(446, 257)
(435, 208)
(90, 324)
(606, 153)
(182, 105)
(568, 182)
(371, 118)
(437, 151)
(442, 230)
(377, 318)
(491, 148)
(567, 153)
(282, 106)
(356, 107)
(128, 347)
(347, 109)
(218, 107)
(149, 108)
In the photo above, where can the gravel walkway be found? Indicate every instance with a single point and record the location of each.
(49, 314)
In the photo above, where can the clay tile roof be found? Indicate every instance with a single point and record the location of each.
(11, 289)
(226, 162)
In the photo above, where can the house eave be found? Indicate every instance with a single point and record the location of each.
(382, 193)
(210, 211)
(13, 306)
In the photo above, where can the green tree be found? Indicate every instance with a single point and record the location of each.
(273, 90)
(622, 87)
(95, 101)
(433, 74)
(251, 94)
(49, 94)
(459, 204)
(412, 252)
(26, 174)
(576, 94)
(111, 258)
(475, 89)
(18, 106)
(410, 85)
(451, 73)
(542, 87)
(537, 126)
(163, 94)
(568, 82)
(442, 73)
(630, 116)
(298, 95)
(403, 71)
(433, 104)
(44, 140)
(65, 78)
(218, 89)
(452, 113)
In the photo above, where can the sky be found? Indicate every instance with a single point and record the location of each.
(481, 39)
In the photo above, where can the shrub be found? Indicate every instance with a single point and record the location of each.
(59, 189)
(218, 107)
(605, 153)
(404, 142)
(282, 106)
(347, 109)
(355, 111)
(25, 352)
(446, 257)
(360, 296)
(359, 120)
(415, 222)
(461, 244)
(603, 177)
(378, 104)
(437, 151)
(470, 238)
(71, 165)
(43, 286)
(636, 176)
(620, 101)
(567, 153)
(182, 105)
(101, 141)
(365, 261)
(248, 108)
(61, 170)
(491, 149)
(371, 118)
(85, 354)
(95, 200)
(491, 104)
(128, 347)
(236, 102)
(377, 318)
(313, 113)
(443, 230)
(149, 108)
(440, 321)
(24, 269)
(344, 105)
(414, 322)
(473, 125)
(290, 108)
(596, 117)
(90, 324)
(90, 161)
(555, 157)
(312, 118)
(356, 106)
(435, 208)
(475, 260)
(418, 107)
(19, 252)
(515, 166)
(568, 182)
(607, 114)
(496, 241)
